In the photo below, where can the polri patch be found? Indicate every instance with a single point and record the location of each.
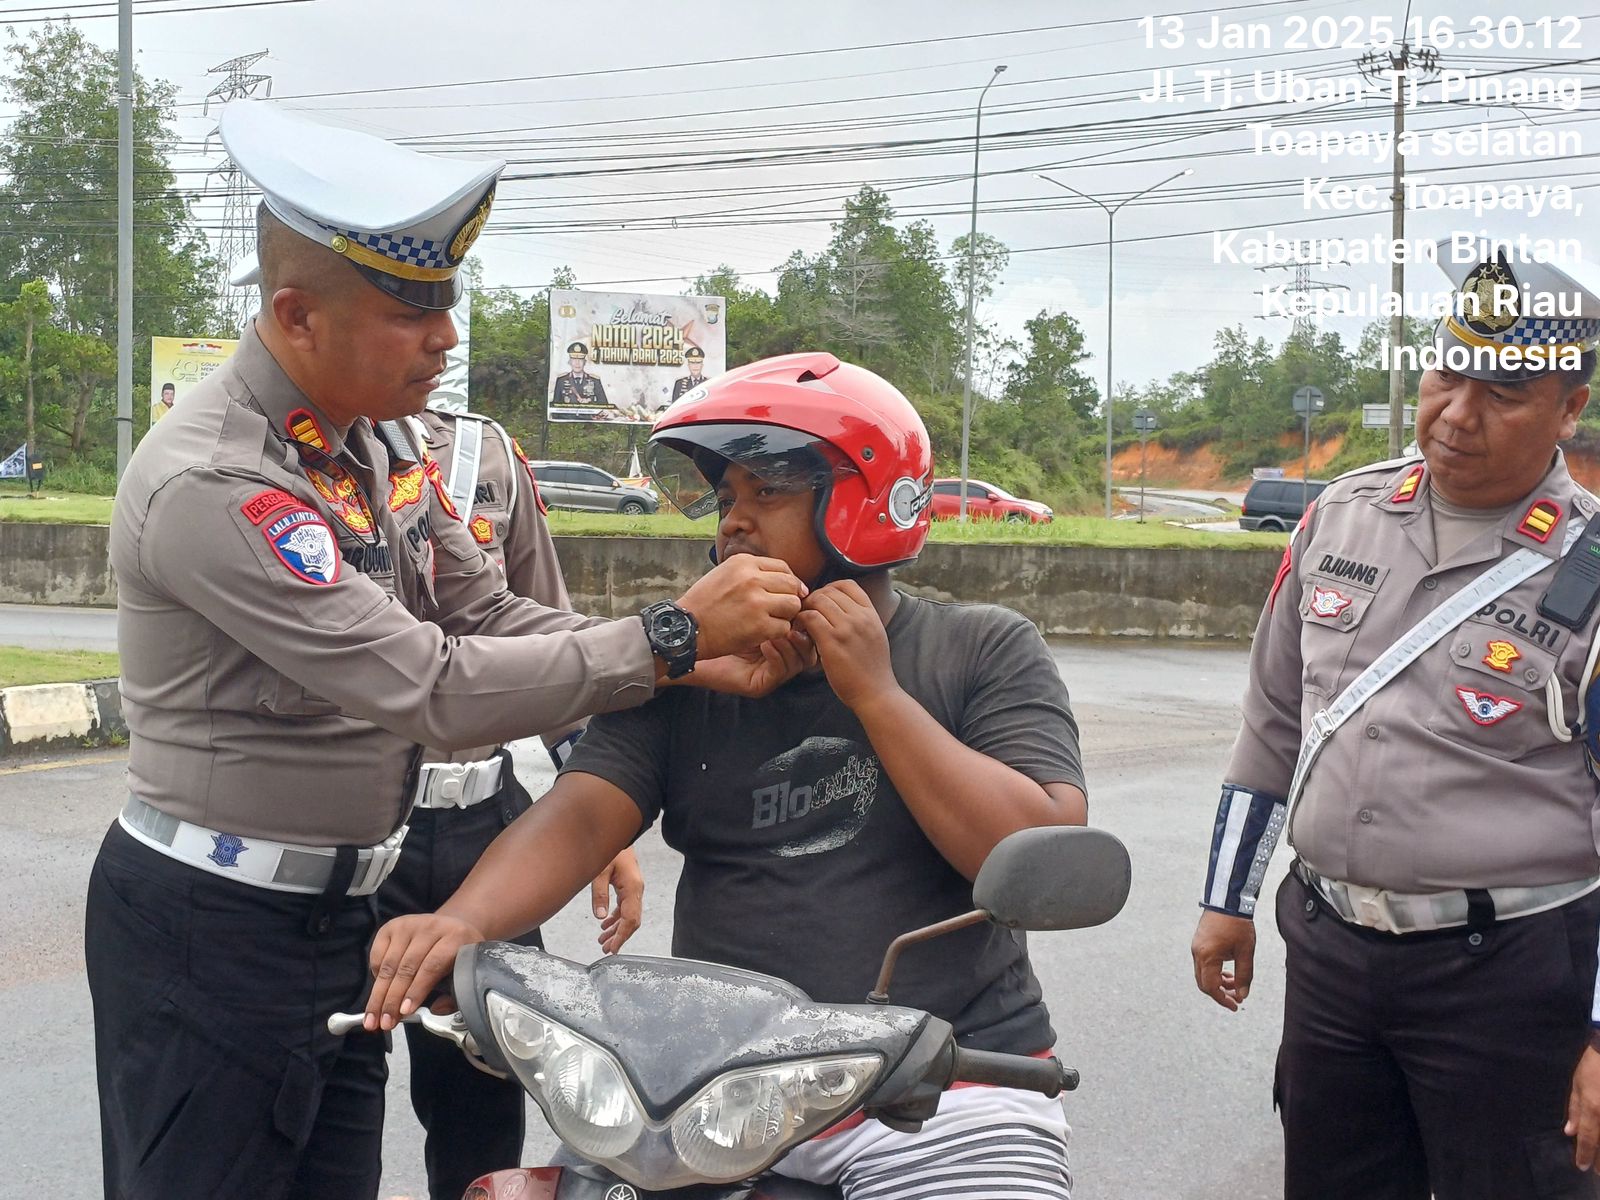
(303, 542)
(263, 504)
(1484, 708)
(1541, 519)
(1501, 655)
(1328, 603)
(1407, 491)
(482, 530)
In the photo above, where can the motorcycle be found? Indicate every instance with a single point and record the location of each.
(671, 1078)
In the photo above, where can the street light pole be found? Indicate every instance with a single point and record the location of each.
(1111, 252)
(124, 235)
(972, 250)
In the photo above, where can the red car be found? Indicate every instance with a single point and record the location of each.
(987, 501)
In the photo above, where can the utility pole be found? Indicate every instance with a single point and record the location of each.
(972, 269)
(1406, 67)
(124, 235)
(238, 215)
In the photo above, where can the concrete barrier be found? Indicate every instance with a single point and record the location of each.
(54, 716)
(1065, 590)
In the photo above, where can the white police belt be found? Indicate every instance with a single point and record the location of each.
(457, 785)
(277, 866)
(1499, 579)
(1417, 912)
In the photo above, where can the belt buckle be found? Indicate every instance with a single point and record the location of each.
(446, 781)
(1322, 722)
(1371, 907)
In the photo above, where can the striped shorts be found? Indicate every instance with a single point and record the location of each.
(986, 1143)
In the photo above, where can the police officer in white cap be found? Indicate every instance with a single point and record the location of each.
(1422, 721)
(300, 609)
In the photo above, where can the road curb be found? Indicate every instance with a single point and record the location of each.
(60, 716)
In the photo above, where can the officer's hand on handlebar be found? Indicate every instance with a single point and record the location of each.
(409, 957)
(743, 601)
(1221, 939)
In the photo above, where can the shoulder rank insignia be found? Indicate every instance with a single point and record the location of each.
(1407, 491)
(482, 530)
(1541, 519)
(303, 542)
(1328, 602)
(436, 477)
(1484, 708)
(228, 848)
(303, 427)
(1501, 655)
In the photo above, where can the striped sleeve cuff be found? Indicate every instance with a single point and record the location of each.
(1246, 833)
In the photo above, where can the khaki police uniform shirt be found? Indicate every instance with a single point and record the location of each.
(271, 693)
(1451, 776)
(506, 520)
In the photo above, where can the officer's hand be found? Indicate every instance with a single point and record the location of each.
(1221, 939)
(741, 602)
(618, 924)
(759, 672)
(851, 642)
(1583, 1111)
(409, 957)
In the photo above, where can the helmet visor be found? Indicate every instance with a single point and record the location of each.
(686, 463)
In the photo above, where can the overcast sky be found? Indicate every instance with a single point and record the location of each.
(613, 136)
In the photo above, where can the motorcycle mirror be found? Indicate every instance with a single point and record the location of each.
(1054, 877)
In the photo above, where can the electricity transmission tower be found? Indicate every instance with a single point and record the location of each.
(238, 237)
(1304, 322)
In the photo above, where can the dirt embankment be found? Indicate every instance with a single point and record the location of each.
(1202, 467)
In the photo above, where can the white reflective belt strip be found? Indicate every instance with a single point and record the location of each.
(464, 465)
(511, 460)
(1228, 851)
(1496, 581)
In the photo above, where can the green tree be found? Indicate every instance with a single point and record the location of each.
(1051, 366)
(59, 205)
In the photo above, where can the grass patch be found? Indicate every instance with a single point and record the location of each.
(22, 666)
(53, 506)
(1063, 531)
(71, 509)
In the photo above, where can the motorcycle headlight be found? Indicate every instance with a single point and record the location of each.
(734, 1128)
(580, 1086)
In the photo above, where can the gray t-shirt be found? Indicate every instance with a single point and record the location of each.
(800, 858)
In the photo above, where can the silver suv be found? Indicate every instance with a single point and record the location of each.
(581, 486)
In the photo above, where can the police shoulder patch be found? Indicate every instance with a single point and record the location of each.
(303, 542)
(263, 504)
(482, 530)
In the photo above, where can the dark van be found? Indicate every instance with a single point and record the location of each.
(1277, 504)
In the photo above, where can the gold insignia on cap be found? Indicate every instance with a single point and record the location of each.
(471, 228)
(1486, 307)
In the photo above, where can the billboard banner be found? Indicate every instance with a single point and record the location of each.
(177, 364)
(451, 394)
(621, 357)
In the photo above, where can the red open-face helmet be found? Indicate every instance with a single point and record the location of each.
(810, 421)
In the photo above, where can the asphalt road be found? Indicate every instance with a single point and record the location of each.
(56, 627)
(1175, 1101)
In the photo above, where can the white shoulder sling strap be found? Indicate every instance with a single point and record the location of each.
(1496, 581)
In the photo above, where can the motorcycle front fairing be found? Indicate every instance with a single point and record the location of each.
(685, 1072)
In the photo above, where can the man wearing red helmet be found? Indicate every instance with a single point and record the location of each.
(856, 802)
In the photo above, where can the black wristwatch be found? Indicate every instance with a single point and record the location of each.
(672, 632)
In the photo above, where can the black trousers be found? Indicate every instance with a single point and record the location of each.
(217, 1075)
(474, 1122)
(1432, 1063)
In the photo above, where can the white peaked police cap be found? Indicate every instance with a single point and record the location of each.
(404, 220)
(1514, 316)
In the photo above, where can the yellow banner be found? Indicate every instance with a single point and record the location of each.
(177, 364)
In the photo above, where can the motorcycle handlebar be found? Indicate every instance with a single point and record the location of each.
(1043, 1075)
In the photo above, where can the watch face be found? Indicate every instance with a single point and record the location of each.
(672, 629)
